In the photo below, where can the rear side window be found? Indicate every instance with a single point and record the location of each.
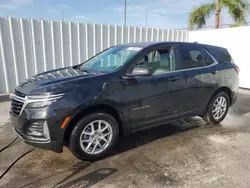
(193, 57)
(220, 54)
(209, 60)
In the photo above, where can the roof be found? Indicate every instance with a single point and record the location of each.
(150, 44)
(146, 44)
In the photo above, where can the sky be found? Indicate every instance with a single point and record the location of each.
(170, 14)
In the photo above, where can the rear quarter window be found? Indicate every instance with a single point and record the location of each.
(220, 54)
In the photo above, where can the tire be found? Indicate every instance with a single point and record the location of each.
(208, 116)
(81, 131)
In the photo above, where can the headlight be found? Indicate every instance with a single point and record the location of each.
(39, 104)
(40, 101)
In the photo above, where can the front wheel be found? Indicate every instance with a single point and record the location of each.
(217, 108)
(93, 136)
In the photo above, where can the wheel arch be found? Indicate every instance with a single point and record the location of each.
(225, 89)
(91, 109)
(207, 116)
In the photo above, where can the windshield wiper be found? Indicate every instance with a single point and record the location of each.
(87, 71)
(84, 70)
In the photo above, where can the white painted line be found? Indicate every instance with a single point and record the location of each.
(79, 42)
(34, 45)
(62, 44)
(70, 44)
(24, 49)
(13, 50)
(44, 47)
(3, 58)
(53, 44)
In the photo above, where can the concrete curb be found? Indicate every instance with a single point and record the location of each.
(244, 91)
(4, 97)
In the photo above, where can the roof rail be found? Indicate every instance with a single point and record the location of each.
(196, 42)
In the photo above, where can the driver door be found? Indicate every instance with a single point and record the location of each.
(153, 99)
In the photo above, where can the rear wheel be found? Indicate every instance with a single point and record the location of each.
(217, 108)
(94, 136)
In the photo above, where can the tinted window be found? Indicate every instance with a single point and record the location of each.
(220, 54)
(195, 54)
(208, 58)
(190, 57)
(161, 61)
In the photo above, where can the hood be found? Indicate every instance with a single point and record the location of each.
(58, 80)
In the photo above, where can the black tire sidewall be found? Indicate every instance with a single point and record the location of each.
(209, 115)
(75, 136)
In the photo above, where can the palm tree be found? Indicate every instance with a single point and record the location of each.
(237, 9)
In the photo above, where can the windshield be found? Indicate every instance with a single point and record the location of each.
(110, 59)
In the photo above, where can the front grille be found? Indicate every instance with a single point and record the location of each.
(17, 102)
(16, 107)
(19, 94)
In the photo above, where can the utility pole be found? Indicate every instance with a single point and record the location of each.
(125, 13)
(62, 15)
(146, 19)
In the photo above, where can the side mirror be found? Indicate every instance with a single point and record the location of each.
(140, 71)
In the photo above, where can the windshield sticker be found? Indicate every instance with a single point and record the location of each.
(134, 48)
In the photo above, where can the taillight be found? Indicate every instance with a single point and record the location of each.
(237, 69)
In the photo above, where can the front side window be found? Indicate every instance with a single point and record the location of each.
(160, 61)
(110, 59)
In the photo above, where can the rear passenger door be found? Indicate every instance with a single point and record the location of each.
(198, 71)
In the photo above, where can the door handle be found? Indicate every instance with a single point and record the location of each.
(173, 78)
(214, 71)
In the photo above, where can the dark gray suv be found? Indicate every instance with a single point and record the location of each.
(121, 90)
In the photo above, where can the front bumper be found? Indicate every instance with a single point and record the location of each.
(41, 127)
(50, 145)
(22, 125)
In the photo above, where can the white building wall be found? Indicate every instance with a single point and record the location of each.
(236, 40)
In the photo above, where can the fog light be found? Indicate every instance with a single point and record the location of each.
(37, 132)
(35, 129)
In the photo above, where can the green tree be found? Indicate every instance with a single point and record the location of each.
(237, 9)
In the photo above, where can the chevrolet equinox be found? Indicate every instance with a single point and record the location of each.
(123, 89)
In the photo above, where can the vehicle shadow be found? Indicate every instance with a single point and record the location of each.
(89, 179)
(83, 181)
(76, 169)
(146, 136)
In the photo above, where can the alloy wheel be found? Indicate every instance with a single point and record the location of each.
(96, 137)
(219, 107)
